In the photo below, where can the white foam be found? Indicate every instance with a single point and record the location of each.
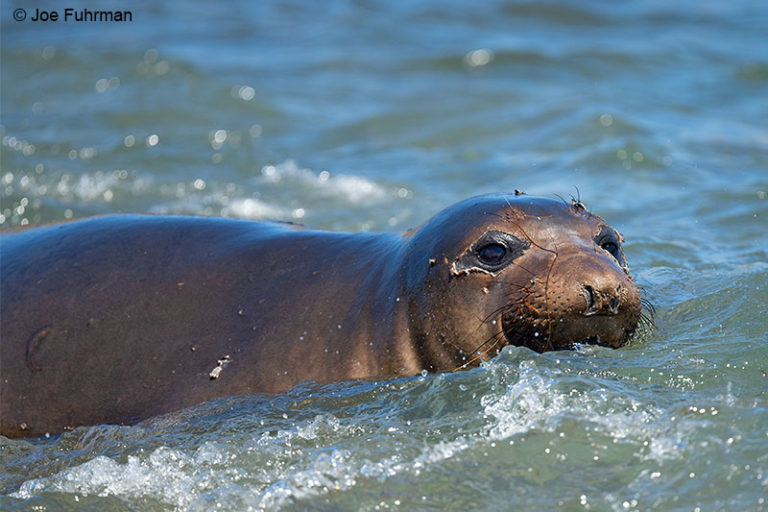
(536, 400)
(348, 188)
(164, 476)
(309, 458)
(249, 208)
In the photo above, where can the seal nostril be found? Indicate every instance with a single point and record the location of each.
(591, 302)
(614, 305)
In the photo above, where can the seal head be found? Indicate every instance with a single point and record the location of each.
(526, 271)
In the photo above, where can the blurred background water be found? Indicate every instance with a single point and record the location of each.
(372, 115)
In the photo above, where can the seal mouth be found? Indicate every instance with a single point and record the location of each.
(592, 340)
(602, 333)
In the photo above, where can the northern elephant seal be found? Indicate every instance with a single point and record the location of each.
(118, 318)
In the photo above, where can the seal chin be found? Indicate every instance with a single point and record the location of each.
(596, 340)
(603, 332)
(592, 340)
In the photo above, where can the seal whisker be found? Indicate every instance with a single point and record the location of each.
(517, 265)
(518, 286)
(484, 343)
(548, 345)
(494, 214)
(531, 241)
(487, 318)
(493, 313)
(576, 201)
(561, 198)
(500, 310)
(648, 305)
(509, 205)
(499, 336)
(646, 321)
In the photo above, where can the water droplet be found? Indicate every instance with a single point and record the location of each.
(101, 85)
(49, 52)
(246, 92)
(477, 58)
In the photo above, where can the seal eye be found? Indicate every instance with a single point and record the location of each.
(608, 240)
(611, 247)
(492, 254)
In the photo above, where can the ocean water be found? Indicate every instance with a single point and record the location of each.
(370, 115)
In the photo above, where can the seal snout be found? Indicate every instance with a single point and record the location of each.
(605, 305)
(586, 299)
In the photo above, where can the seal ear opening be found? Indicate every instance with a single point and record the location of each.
(490, 254)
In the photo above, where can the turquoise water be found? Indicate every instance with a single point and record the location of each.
(373, 116)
